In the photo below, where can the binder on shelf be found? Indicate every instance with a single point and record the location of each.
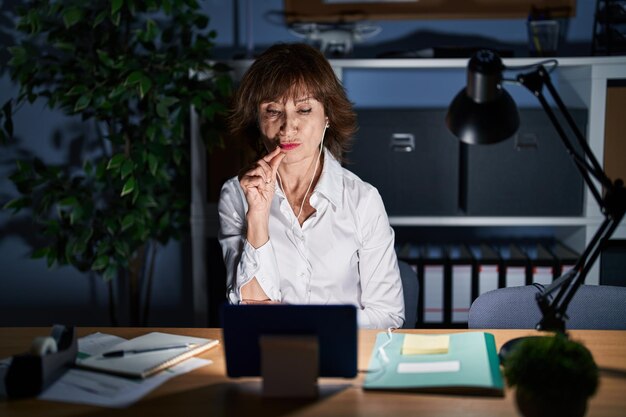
(437, 288)
(461, 269)
(488, 269)
(565, 256)
(515, 265)
(543, 264)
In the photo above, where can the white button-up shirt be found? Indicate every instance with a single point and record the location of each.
(342, 254)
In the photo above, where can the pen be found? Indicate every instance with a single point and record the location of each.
(120, 353)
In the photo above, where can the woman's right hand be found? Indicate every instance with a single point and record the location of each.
(258, 185)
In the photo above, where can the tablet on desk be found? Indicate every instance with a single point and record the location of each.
(333, 326)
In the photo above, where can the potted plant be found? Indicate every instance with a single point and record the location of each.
(134, 70)
(553, 376)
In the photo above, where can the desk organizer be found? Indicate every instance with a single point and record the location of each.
(29, 374)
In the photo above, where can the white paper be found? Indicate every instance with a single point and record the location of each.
(96, 343)
(95, 388)
(428, 367)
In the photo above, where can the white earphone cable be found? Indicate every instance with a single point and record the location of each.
(317, 160)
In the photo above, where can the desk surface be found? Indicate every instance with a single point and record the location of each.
(208, 392)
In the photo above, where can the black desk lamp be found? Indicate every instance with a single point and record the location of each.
(484, 113)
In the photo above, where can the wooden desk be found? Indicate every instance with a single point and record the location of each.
(208, 392)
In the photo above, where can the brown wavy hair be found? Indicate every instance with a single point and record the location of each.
(291, 71)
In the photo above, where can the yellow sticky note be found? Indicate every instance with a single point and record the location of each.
(417, 344)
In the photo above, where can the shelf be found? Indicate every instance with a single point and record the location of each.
(442, 63)
(493, 221)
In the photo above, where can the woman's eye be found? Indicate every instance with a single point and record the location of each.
(305, 111)
(272, 112)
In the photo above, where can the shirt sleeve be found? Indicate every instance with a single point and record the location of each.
(243, 261)
(382, 298)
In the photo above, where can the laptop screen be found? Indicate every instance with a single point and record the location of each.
(335, 327)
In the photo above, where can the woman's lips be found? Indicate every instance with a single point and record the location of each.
(288, 146)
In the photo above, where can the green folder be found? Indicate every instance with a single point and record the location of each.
(470, 366)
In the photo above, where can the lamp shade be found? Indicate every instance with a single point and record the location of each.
(483, 112)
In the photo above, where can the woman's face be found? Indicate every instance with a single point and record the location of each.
(296, 126)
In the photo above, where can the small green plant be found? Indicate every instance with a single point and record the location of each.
(133, 70)
(553, 371)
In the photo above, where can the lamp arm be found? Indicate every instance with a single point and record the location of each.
(587, 164)
(554, 309)
(597, 171)
(612, 205)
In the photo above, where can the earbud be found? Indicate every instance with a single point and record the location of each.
(327, 125)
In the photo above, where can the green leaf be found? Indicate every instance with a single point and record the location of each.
(65, 46)
(20, 56)
(68, 202)
(116, 161)
(134, 77)
(101, 262)
(201, 21)
(100, 170)
(111, 226)
(167, 6)
(153, 164)
(71, 16)
(88, 167)
(116, 18)
(147, 200)
(164, 221)
(128, 221)
(122, 248)
(161, 110)
(80, 245)
(82, 102)
(151, 132)
(76, 214)
(152, 30)
(40, 253)
(51, 258)
(99, 18)
(127, 168)
(129, 186)
(105, 58)
(116, 5)
(76, 90)
(117, 91)
(144, 86)
(109, 273)
(17, 204)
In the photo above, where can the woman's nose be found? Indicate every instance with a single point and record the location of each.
(289, 126)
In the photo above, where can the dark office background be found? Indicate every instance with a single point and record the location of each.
(32, 294)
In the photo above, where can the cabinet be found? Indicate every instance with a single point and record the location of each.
(581, 82)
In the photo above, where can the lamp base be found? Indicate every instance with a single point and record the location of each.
(509, 346)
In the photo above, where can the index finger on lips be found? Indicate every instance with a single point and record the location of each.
(275, 163)
(271, 155)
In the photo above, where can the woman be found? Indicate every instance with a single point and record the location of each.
(296, 227)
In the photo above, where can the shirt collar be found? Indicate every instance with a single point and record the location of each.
(330, 184)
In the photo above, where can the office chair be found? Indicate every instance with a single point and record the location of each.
(599, 307)
(410, 287)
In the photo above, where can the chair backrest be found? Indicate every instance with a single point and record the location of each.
(599, 307)
(410, 287)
